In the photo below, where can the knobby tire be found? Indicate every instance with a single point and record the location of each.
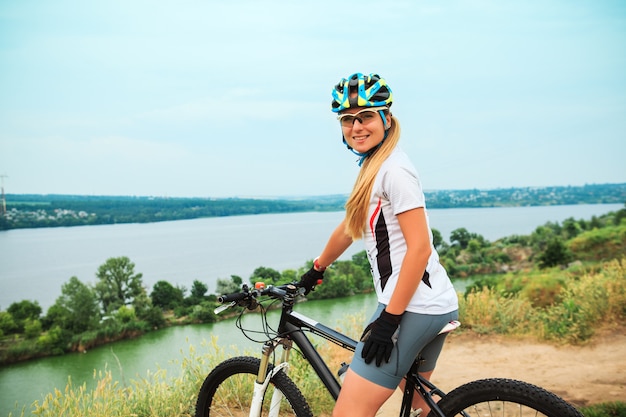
(227, 391)
(504, 398)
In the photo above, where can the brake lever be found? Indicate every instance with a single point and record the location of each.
(223, 307)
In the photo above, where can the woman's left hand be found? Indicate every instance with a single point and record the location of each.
(379, 337)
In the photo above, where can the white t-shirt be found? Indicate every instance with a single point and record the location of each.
(397, 189)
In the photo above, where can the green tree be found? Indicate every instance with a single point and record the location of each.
(228, 286)
(7, 324)
(166, 296)
(474, 246)
(198, 289)
(556, 253)
(460, 237)
(125, 314)
(52, 341)
(267, 275)
(437, 238)
(24, 310)
(154, 317)
(203, 313)
(32, 328)
(571, 228)
(544, 234)
(118, 283)
(77, 309)
(142, 304)
(289, 275)
(619, 216)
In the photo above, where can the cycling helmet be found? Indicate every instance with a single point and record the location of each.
(371, 91)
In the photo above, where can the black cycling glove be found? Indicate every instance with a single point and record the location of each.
(310, 279)
(379, 337)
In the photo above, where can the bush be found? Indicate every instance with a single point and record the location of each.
(543, 291)
(487, 311)
(555, 253)
(560, 308)
(32, 328)
(7, 324)
(204, 313)
(598, 297)
(600, 244)
(126, 314)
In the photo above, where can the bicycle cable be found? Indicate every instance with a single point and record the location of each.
(269, 333)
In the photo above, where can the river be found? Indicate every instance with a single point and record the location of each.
(36, 262)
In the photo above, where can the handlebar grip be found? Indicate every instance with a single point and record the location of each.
(279, 292)
(227, 298)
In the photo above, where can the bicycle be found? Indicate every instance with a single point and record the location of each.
(250, 386)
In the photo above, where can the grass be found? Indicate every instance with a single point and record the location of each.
(567, 311)
(614, 409)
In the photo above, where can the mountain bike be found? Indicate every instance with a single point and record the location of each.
(250, 386)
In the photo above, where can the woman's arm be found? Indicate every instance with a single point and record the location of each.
(337, 244)
(415, 230)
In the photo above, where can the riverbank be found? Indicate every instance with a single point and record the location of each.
(582, 375)
(16, 350)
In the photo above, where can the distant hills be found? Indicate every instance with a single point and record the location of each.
(51, 210)
(528, 196)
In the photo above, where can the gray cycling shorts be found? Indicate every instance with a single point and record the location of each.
(418, 335)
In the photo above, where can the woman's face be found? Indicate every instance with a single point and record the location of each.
(363, 128)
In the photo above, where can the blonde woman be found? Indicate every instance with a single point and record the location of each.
(387, 209)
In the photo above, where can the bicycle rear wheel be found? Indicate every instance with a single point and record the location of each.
(504, 398)
(227, 391)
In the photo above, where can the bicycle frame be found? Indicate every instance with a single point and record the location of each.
(291, 327)
(476, 395)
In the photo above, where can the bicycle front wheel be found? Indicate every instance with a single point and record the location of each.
(227, 391)
(504, 398)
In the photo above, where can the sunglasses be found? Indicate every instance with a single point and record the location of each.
(364, 116)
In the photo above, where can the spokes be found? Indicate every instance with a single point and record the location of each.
(233, 397)
(501, 409)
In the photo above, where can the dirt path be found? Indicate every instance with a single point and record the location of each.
(582, 375)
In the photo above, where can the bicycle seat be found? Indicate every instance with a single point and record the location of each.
(450, 326)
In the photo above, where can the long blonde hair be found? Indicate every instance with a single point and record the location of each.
(358, 203)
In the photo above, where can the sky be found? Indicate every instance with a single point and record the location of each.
(192, 98)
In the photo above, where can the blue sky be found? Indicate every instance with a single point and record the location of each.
(232, 98)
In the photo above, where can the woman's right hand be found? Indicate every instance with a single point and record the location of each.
(310, 279)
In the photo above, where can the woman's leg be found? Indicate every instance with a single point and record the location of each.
(360, 397)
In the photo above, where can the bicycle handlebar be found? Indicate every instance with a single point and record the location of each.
(227, 298)
(247, 297)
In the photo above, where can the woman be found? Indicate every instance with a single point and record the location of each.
(387, 209)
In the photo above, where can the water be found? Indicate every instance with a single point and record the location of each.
(36, 262)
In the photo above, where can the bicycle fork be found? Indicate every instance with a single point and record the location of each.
(264, 377)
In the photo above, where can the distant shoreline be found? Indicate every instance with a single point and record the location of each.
(27, 211)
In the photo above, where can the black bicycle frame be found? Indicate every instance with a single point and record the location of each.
(291, 325)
